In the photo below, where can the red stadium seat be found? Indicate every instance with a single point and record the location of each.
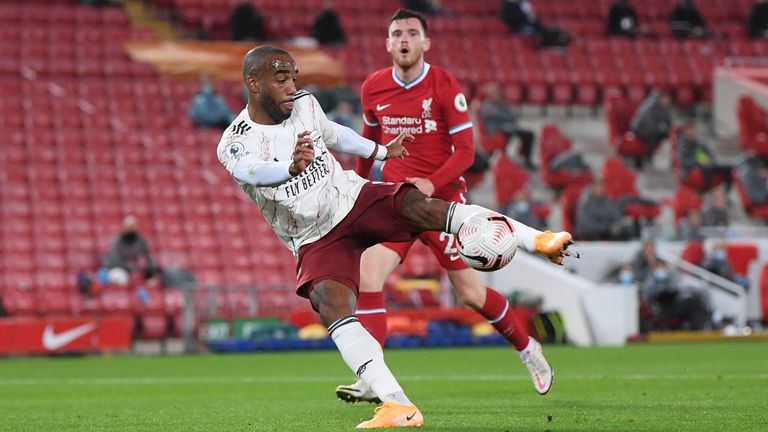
(693, 252)
(740, 255)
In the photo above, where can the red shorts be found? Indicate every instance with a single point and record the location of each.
(443, 245)
(374, 219)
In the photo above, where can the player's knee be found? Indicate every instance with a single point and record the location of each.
(332, 300)
(427, 214)
(470, 295)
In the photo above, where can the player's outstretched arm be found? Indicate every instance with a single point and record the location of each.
(350, 142)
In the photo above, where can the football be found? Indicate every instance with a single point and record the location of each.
(486, 241)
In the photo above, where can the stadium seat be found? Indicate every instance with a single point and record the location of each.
(740, 255)
(758, 211)
(683, 201)
(551, 144)
(620, 184)
(618, 113)
(569, 200)
(753, 126)
(693, 252)
(153, 326)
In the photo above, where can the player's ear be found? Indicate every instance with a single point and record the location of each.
(427, 44)
(253, 84)
(388, 43)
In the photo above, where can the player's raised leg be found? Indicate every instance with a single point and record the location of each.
(432, 214)
(376, 264)
(495, 308)
(335, 303)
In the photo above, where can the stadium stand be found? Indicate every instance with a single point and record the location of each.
(89, 135)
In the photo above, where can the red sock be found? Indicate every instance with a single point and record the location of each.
(373, 315)
(498, 312)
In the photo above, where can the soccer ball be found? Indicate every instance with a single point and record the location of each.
(486, 241)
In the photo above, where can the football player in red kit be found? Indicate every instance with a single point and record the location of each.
(425, 101)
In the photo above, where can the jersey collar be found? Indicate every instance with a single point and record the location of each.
(413, 83)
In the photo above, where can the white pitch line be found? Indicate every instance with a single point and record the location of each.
(423, 378)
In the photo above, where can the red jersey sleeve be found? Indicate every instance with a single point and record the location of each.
(453, 103)
(371, 130)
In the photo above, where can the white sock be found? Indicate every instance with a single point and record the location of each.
(528, 348)
(458, 213)
(364, 356)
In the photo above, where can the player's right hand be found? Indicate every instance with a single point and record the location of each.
(395, 147)
(303, 154)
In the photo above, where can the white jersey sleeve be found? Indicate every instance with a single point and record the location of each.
(304, 208)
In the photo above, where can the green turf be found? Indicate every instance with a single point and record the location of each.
(685, 387)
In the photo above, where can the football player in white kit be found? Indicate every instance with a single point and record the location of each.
(277, 151)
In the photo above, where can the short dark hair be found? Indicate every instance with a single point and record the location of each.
(403, 13)
(254, 59)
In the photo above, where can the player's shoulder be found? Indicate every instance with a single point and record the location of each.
(239, 129)
(380, 77)
(441, 75)
(302, 94)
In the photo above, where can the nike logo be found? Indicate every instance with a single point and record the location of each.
(454, 257)
(53, 341)
(408, 418)
(381, 107)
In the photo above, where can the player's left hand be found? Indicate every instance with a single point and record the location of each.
(395, 147)
(422, 184)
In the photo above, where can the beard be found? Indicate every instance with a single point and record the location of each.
(273, 109)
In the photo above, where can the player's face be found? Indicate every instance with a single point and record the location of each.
(407, 42)
(278, 86)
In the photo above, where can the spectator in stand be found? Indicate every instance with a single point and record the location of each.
(344, 114)
(625, 276)
(670, 305)
(426, 7)
(687, 21)
(645, 261)
(327, 28)
(130, 251)
(715, 213)
(520, 209)
(622, 19)
(520, 17)
(717, 263)
(498, 115)
(598, 217)
(209, 110)
(692, 154)
(247, 23)
(753, 176)
(758, 20)
(653, 120)
(690, 226)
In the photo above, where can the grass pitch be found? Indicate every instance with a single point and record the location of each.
(682, 387)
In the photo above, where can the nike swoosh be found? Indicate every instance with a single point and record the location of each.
(454, 257)
(53, 341)
(408, 418)
(381, 107)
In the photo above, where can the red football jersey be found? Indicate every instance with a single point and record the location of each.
(434, 110)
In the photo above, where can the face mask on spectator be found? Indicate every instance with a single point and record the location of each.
(626, 277)
(661, 275)
(719, 255)
(522, 207)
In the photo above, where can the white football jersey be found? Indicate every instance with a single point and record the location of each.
(305, 207)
